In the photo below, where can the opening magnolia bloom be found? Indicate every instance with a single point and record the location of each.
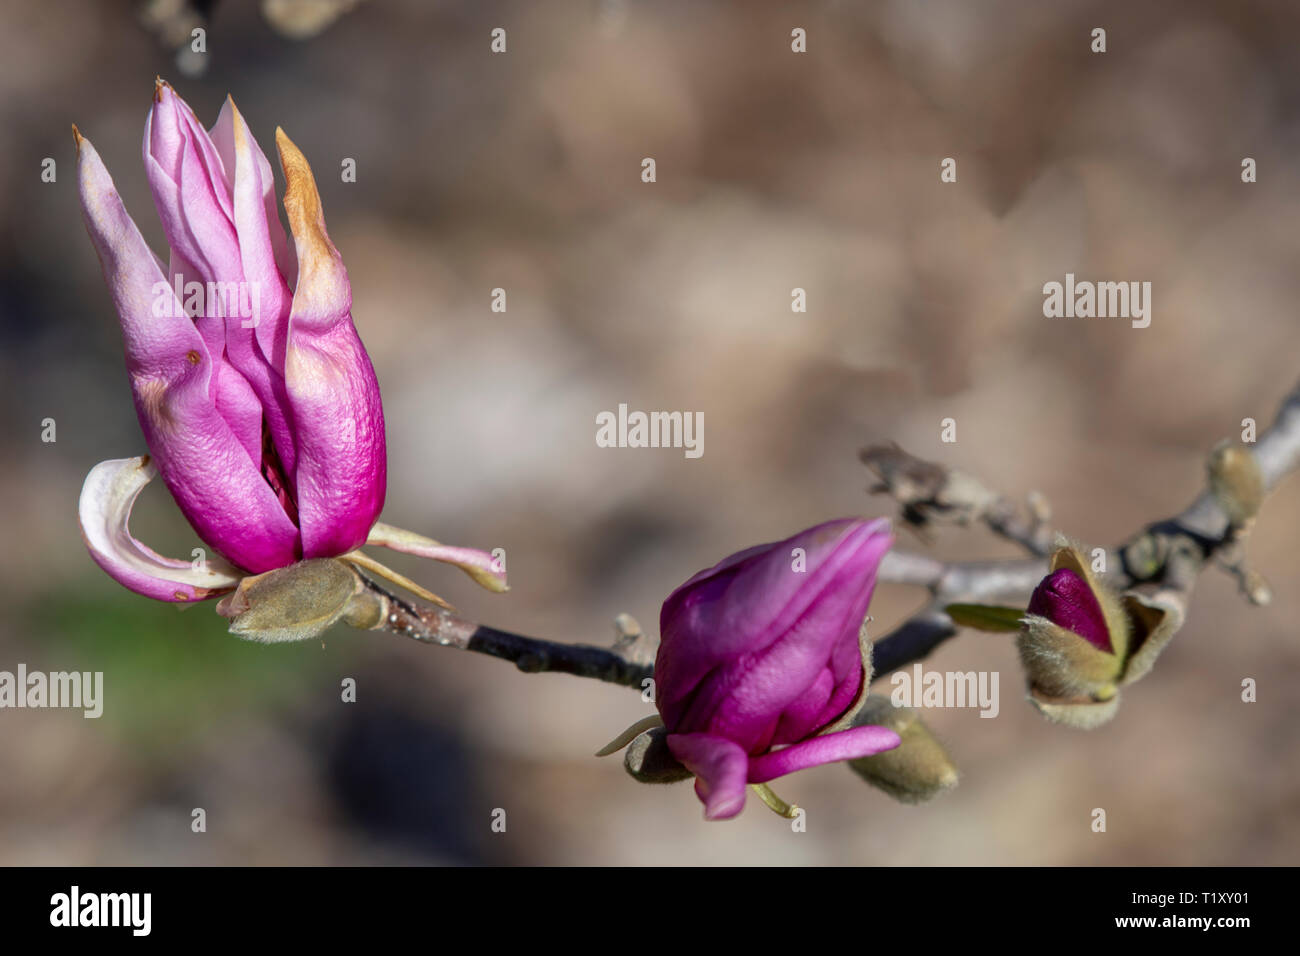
(259, 405)
(762, 661)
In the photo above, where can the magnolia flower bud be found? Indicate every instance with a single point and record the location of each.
(1080, 642)
(918, 769)
(763, 659)
(1075, 632)
(257, 400)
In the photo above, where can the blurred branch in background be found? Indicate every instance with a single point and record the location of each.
(181, 25)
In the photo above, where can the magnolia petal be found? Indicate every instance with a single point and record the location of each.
(191, 191)
(180, 272)
(338, 417)
(262, 243)
(104, 513)
(164, 132)
(828, 748)
(479, 565)
(1069, 554)
(218, 172)
(190, 195)
(229, 390)
(263, 305)
(223, 138)
(720, 767)
(743, 651)
(132, 273)
(1065, 597)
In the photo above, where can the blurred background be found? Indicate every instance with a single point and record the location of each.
(775, 170)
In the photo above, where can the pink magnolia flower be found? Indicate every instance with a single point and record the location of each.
(760, 669)
(259, 405)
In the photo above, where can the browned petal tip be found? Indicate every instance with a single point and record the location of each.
(301, 199)
(77, 137)
(236, 116)
(159, 84)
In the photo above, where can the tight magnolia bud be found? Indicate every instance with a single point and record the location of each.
(762, 661)
(915, 771)
(1080, 642)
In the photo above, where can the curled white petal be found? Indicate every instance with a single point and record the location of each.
(104, 512)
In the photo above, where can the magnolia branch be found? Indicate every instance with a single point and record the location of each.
(624, 663)
(1166, 556)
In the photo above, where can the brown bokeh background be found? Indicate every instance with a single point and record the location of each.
(775, 170)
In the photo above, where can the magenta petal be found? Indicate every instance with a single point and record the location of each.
(201, 222)
(338, 421)
(239, 408)
(1065, 599)
(747, 640)
(234, 397)
(262, 243)
(828, 748)
(104, 513)
(180, 272)
(207, 470)
(720, 769)
(479, 565)
(818, 705)
(256, 343)
(338, 417)
(223, 138)
(218, 173)
(188, 195)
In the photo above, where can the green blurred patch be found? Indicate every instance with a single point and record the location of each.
(169, 672)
